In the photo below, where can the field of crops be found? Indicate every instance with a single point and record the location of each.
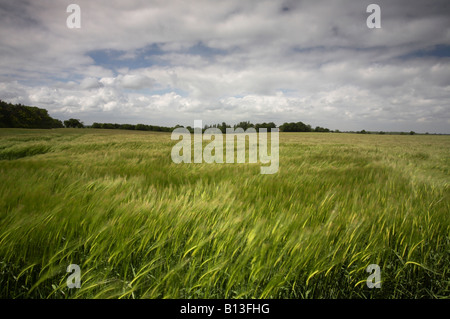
(140, 226)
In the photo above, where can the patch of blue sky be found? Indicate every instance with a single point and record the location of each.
(148, 56)
(201, 49)
(298, 49)
(115, 59)
(436, 51)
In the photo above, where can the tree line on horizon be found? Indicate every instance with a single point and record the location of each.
(23, 116)
(285, 127)
(137, 127)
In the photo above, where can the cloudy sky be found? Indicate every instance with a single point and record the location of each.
(171, 62)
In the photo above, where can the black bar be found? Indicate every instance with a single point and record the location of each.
(221, 308)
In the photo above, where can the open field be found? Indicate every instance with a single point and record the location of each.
(140, 226)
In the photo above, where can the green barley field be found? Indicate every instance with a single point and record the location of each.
(140, 226)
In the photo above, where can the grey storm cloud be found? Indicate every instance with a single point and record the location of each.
(176, 61)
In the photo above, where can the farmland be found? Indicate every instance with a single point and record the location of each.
(140, 226)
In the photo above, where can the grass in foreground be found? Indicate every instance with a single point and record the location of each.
(140, 226)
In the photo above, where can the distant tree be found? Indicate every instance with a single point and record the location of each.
(223, 127)
(296, 127)
(74, 123)
(127, 126)
(265, 125)
(321, 129)
(412, 133)
(141, 127)
(57, 123)
(244, 125)
(109, 126)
